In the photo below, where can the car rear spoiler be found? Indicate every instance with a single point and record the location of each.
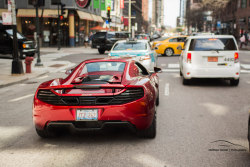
(123, 88)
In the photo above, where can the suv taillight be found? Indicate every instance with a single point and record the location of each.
(189, 57)
(236, 57)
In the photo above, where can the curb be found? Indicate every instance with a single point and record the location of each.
(23, 80)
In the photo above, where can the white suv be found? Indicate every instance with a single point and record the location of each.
(213, 56)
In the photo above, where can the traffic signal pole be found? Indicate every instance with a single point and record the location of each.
(17, 65)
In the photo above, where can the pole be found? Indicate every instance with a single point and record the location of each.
(17, 65)
(129, 16)
(38, 63)
(59, 30)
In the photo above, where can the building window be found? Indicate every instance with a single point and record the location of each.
(243, 3)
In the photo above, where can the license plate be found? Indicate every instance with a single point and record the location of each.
(87, 114)
(212, 59)
(98, 47)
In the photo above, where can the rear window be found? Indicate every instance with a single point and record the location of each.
(103, 66)
(208, 44)
(130, 46)
(100, 35)
(117, 35)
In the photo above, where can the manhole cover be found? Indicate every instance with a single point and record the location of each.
(57, 65)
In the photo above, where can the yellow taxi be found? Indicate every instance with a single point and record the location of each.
(168, 47)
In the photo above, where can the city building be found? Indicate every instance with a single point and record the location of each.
(234, 18)
(157, 14)
(76, 24)
(182, 12)
(136, 13)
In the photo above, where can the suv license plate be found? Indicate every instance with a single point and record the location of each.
(212, 59)
(86, 114)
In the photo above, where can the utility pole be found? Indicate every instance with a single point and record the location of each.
(129, 16)
(17, 66)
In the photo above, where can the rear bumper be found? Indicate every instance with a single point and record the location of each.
(89, 125)
(137, 113)
(197, 72)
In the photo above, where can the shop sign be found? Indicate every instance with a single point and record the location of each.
(122, 4)
(7, 18)
(83, 3)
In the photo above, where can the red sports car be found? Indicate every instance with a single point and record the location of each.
(99, 93)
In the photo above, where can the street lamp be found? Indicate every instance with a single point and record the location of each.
(37, 4)
(17, 66)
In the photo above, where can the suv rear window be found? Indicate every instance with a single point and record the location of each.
(208, 44)
(100, 35)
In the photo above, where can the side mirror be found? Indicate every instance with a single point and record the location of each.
(69, 71)
(179, 47)
(157, 70)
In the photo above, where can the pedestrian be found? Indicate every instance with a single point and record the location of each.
(86, 39)
(244, 39)
(90, 38)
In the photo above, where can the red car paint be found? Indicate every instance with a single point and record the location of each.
(139, 112)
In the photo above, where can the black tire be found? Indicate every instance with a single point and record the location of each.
(169, 52)
(158, 100)
(45, 133)
(185, 81)
(150, 132)
(101, 51)
(248, 136)
(234, 82)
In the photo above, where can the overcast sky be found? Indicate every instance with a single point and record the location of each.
(171, 8)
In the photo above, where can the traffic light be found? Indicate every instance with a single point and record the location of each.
(63, 9)
(108, 14)
(61, 17)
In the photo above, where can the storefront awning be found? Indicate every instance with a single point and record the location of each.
(47, 13)
(85, 16)
(3, 10)
(98, 19)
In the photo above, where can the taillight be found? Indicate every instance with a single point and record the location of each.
(189, 57)
(236, 57)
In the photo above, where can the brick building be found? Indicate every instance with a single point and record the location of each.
(235, 17)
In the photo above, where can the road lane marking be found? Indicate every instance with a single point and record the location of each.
(163, 65)
(21, 98)
(171, 70)
(43, 77)
(173, 65)
(166, 89)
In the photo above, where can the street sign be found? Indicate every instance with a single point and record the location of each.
(218, 24)
(7, 18)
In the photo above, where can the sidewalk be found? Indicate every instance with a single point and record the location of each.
(244, 47)
(48, 57)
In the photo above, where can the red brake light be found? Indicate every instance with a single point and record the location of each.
(236, 57)
(189, 57)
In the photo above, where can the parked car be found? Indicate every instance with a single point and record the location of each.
(105, 40)
(143, 36)
(139, 50)
(215, 56)
(96, 94)
(169, 46)
(26, 47)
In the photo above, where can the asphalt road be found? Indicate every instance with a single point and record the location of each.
(204, 124)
